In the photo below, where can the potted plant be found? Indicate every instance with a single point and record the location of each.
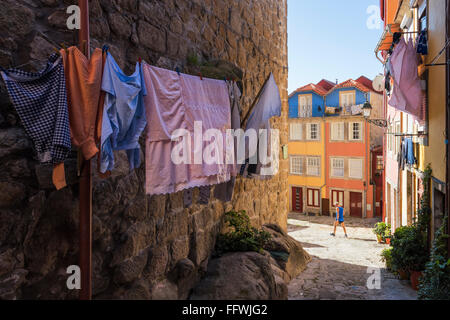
(387, 234)
(379, 230)
(386, 257)
(409, 253)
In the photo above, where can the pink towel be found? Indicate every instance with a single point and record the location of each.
(175, 102)
(407, 95)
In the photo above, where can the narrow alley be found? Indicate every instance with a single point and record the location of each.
(339, 266)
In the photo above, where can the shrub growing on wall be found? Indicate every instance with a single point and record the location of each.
(243, 237)
(435, 282)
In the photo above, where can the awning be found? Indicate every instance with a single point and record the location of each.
(387, 38)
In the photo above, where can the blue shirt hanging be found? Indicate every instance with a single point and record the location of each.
(124, 117)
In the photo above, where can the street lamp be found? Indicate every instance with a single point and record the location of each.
(367, 110)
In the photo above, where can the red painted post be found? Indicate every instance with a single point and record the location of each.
(85, 182)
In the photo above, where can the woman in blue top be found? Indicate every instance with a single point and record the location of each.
(339, 219)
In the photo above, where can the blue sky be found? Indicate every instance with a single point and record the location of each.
(330, 39)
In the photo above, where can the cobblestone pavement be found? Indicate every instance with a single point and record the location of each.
(339, 266)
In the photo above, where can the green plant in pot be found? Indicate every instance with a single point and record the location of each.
(386, 257)
(387, 234)
(409, 251)
(379, 230)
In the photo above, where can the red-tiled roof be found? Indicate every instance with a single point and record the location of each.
(326, 84)
(352, 83)
(317, 88)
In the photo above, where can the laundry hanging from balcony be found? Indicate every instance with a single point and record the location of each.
(407, 94)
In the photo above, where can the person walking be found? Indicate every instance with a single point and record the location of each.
(339, 219)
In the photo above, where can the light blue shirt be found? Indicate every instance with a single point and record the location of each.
(124, 117)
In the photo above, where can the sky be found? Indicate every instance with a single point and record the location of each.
(333, 40)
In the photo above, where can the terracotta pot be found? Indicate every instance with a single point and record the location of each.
(403, 275)
(414, 278)
(388, 241)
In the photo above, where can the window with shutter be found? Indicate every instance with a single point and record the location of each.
(305, 106)
(347, 99)
(337, 131)
(296, 131)
(296, 165)
(313, 166)
(355, 168)
(337, 167)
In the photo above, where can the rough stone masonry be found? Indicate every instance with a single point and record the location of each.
(144, 247)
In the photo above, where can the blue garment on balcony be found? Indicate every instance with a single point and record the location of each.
(410, 158)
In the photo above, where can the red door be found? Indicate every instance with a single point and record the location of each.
(297, 200)
(356, 204)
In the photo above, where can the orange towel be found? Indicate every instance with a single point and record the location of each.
(83, 81)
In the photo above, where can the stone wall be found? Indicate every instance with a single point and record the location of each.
(144, 247)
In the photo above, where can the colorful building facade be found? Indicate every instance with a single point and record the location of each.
(330, 148)
(426, 131)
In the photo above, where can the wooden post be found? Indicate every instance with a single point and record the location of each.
(85, 182)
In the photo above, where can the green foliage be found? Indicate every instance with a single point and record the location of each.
(243, 237)
(424, 213)
(379, 228)
(386, 257)
(435, 282)
(387, 232)
(409, 252)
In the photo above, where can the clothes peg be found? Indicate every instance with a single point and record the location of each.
(64, 47)
(200, 75)
(105, 48)
(177, 70)
(140, 60)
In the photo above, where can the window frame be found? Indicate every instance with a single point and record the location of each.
(306, 108)
(308, 131)
(302, 162)
(292, 126)
(318, 166)
(333, 168)
(315, 192)
(351, 131)
(337, 193)
(350, 168)
(347, 93)
(333, 133)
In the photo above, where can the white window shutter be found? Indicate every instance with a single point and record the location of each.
(355, 168)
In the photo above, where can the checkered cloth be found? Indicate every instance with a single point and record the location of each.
(41, 101)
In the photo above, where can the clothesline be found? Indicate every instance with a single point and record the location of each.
(102, 110)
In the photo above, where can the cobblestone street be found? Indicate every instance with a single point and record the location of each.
(339, 266)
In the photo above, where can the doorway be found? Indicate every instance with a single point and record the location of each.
(297, 199)
(356, 204)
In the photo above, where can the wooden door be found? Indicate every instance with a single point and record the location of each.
(356, 204)
(297, 199)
